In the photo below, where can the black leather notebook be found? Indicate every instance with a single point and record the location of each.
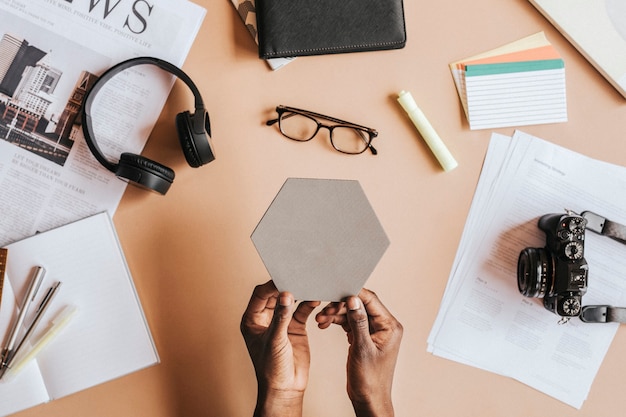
(314, 27)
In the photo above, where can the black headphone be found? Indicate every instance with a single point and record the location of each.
(194, 133)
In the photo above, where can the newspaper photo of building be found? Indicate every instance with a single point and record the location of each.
(29, 100)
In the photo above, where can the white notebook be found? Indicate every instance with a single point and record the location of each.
(108, 337)
(597, 29)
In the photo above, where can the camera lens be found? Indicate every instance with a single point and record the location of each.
(533, 272)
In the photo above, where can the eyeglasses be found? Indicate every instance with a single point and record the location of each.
(302, 125)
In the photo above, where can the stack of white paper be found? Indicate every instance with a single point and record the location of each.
(484, 321)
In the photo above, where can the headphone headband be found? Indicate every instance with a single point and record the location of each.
(194, 133)
(110, 73)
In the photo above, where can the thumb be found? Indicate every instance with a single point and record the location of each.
(358, 322)
(282, 315)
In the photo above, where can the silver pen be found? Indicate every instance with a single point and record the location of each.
(9, 350)
(41, 310)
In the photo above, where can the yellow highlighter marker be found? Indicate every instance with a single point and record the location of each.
(427, 131)
(57, 325)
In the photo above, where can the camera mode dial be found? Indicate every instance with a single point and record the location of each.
(577, 225)
(571, 307)
(574, 250)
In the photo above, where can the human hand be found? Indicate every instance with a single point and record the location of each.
(275, 334)
(374, 337)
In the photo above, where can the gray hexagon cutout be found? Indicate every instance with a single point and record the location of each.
(320, 239)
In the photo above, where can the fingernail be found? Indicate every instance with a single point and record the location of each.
(353, 303)
(285, 300)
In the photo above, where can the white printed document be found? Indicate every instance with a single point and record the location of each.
(483, 320)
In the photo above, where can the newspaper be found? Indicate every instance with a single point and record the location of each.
(51, 52)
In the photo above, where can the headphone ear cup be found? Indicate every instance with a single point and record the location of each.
(144, 172)
(185, 136)
(195, 145)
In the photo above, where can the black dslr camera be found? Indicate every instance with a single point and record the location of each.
(557, 272)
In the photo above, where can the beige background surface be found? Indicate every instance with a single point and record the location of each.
(195, 266)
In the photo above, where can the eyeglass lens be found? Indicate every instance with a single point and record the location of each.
(349, 140)
(346, 139)
(297, 126)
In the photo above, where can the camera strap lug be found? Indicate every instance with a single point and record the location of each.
(603, 314)
(605, 227)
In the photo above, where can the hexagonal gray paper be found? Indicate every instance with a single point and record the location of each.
(320, 239)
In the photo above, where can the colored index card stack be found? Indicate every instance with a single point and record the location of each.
(518, 84)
